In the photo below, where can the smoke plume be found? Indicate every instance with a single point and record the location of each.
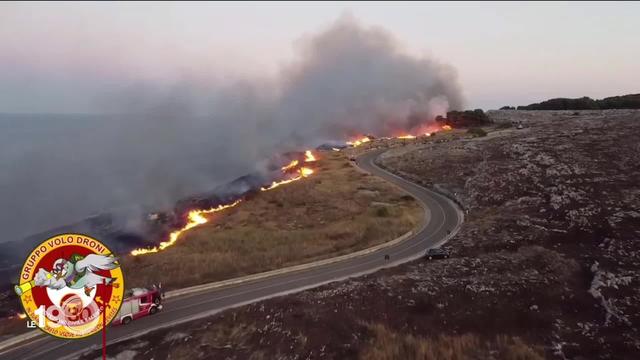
(167, 142)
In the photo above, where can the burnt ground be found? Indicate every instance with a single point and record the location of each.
(545, 265)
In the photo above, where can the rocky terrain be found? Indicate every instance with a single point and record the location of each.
(546, 264)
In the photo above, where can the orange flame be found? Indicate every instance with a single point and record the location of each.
(406, 137)
(308, 156)
(304, 172)
(446, 127)
(358, 142)
(195, 218)
(291, 165)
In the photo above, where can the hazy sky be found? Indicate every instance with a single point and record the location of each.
(58, 57)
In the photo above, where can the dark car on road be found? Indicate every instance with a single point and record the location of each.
(437, 253)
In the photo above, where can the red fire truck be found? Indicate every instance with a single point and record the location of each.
(139, 302)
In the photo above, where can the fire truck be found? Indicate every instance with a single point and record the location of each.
(139, 302)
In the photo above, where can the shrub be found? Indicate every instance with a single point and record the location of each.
(468, 118)
(476, 131)
(406, 198)
(382, 211)
(630, 101)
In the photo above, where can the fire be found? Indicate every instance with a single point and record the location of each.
(308, 156)
(427, 134)
(22, 315)
(358, 142)
(275, 184)
(446, 127)
(195, 218)
(303, 173)
(291, 165)
(406, 137)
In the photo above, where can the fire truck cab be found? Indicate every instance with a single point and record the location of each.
(138, 302)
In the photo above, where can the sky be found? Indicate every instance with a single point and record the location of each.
(69, 57)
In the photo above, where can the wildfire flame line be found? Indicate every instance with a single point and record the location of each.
(195, 218)
(358, 142)
(308, 156)
(406, 137)
(366, 139)
(303, 173)
(291, 165)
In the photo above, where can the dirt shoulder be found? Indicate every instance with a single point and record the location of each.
(546, 263)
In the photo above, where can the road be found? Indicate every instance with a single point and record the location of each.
(441, 217)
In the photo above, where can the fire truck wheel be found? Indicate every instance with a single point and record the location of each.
(126, 320)
(153, 310)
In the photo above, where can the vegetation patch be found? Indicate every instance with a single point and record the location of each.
(477, 132)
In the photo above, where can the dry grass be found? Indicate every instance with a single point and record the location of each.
(221, 336)
(390, 345)
(201, 343)
(12, 326)
(333, 212)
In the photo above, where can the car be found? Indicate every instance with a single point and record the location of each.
(437, 253)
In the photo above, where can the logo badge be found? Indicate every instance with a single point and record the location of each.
(71, 286)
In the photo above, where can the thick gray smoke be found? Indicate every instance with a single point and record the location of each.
(174, 141)
(355, 80)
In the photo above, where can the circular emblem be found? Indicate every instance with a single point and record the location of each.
(71, 286)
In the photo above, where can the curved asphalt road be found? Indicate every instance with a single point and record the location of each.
(441, 216)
